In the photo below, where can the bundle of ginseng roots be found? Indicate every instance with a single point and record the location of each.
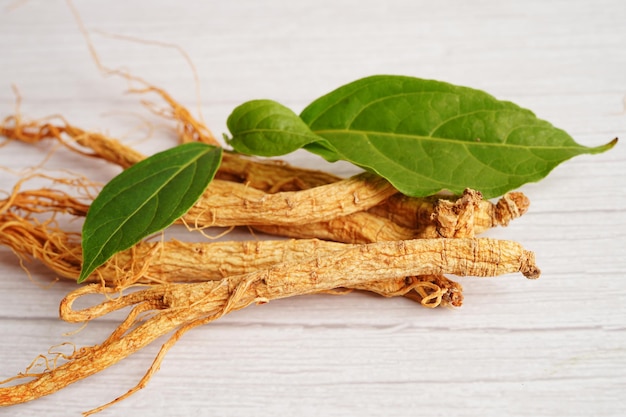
(348, 234)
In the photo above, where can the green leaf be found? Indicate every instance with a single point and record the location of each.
(426, 136)
(145, 199)
(267, 128)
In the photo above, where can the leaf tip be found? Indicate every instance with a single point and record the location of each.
(605, 147)
(83, 276)
(612, 143)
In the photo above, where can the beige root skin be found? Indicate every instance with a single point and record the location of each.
(360, 227)
(349, 267)
(463, 217)
(177, 261)
(284, 214)
(174, 261)
(233, 204)
(417, 213)
(183, 306)
(429, 290)
(270, 176)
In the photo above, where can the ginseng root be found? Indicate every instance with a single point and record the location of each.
(171, 261)
(299, 214)
(180, 307)
(61, 252)
(417, 213)
(176, 261)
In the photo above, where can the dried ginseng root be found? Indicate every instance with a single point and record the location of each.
(298, 214)
(176, 261)
(179, 307)
(62, 253)
(417, 213)
(358, 227)
(232, 204)
(466, 216)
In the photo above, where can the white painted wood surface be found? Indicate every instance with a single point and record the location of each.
(552, 347)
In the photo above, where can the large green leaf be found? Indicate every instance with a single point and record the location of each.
(425, 136)
(145, 199)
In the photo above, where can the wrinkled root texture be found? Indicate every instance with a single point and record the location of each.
(180, 307)
(175, 261)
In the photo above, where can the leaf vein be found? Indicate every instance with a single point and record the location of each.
(118, 229)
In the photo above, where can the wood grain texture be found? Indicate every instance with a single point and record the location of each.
(551, 347)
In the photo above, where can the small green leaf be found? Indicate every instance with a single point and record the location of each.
(145, 199)
(423, 136)
(267, 128)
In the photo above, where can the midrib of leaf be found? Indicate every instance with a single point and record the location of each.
(151, 196)
(440, 139)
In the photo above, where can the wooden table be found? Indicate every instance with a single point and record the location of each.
(552, 347)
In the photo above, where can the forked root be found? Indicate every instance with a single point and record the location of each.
(181, 306)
